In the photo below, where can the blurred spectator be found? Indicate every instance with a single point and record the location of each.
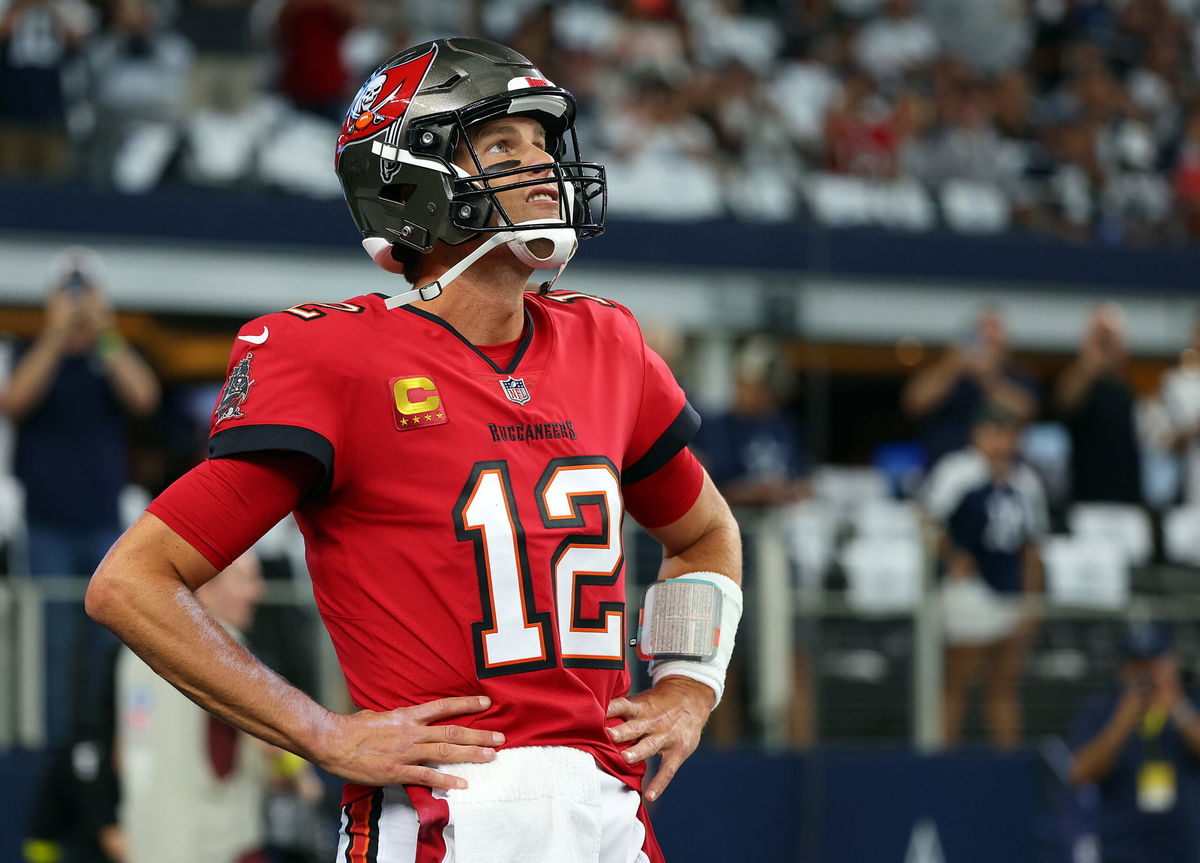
(1140, 745)
(665, 156)
(992, 512)
(69, 392)
(313, 74)
(1097, 403)
(139, 71)
(861, 137)
(225, 74)
(193, 788)
(1186, 179)
(38, 39)
(990, 35)
(755, 451)
(756, 456)
(900, 42)
(1181, 399)
(73, 811)
(946, 396)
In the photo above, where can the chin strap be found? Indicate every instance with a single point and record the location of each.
(563, 239)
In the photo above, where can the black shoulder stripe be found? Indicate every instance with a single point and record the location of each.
(277, 438)
(677, 435)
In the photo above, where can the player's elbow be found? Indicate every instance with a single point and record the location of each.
(105, 595)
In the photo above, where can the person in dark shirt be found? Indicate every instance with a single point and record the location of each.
(992, 512)
(1139, 743)
(945, 396)
(68, 393)
(1095, 399)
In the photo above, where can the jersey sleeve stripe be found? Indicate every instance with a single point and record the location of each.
(277, 438)
(677, 435)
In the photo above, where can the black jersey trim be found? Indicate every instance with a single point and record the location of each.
(277, 438)
(677, 435)
(526, 340)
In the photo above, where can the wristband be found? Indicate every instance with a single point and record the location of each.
(110, 342)
(710, 672)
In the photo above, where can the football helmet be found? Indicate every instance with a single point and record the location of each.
(395, 157)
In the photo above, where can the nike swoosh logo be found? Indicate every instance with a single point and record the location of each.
(256, 340)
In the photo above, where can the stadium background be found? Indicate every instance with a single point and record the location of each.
(854, 179)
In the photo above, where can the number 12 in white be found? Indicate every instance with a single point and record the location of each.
(514, 636)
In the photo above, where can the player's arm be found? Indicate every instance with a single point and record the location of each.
(667, 719)
(144, 592)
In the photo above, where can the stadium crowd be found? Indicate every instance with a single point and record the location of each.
(1077, 118)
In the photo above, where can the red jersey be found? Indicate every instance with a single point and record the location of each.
(466, 538)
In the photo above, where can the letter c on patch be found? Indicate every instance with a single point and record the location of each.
(406, 388)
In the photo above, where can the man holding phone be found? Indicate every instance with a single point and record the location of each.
(68, 395)
(1140, 745)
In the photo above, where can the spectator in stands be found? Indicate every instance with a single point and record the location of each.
(946, 396)
(38, 40)
(1181, 400)
(313, 74)
(1186, 179)
(192, 786)
(139, 70)
(860, 137)
(70, 391)
(1139, 744)
(900, 42)
(755, 451)
(73, 810)
(756, 456)
(225, 75)
(1095, 399)
(991, 509)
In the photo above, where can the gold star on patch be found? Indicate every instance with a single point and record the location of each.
(403, 421)
(441, 416)
(416, 419)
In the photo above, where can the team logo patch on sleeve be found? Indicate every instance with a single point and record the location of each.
(416, 403)
(233, 394)
(515, 389)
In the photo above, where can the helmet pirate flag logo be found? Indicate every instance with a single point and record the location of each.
(383, 101)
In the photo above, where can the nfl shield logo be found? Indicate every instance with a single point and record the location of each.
(515, 389)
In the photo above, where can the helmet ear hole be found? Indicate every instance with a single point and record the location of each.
(397, 193)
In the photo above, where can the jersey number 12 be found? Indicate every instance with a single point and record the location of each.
(515, 636)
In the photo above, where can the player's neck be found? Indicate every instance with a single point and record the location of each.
(485, 304)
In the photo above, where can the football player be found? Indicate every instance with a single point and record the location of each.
(460, 457)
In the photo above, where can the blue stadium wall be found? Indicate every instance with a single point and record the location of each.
(835, 806)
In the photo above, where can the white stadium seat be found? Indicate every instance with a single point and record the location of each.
(899, 519)
(1086, 572)
(811, 532)
(1126, 524)
(1181, 535)
(883, 574)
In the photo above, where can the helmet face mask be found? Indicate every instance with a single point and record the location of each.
(396, 154)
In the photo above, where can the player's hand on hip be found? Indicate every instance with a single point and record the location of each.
(396, 747)
(665, 720)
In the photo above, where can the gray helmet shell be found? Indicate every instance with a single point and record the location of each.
(395, 153)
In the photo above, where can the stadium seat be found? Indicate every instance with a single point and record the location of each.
(883, 574)
(1181, 535)
(975, 207)
(1086, 572)
(848, 488)
(895, 519)
(811, 533)
(1127, 524)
